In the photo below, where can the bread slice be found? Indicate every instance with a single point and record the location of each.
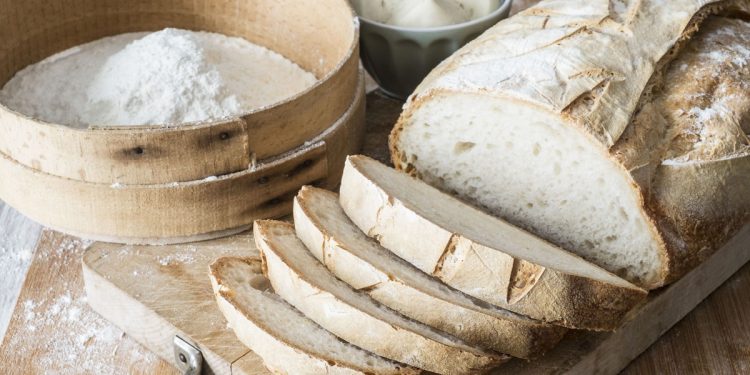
(479, 254)
(288, 342)
(348, 253)
(562, 120)
(354, 316)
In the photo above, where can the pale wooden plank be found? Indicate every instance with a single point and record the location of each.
(18, 237)
(154, 293)
(54, 331)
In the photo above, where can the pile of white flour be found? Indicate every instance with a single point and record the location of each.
(168, 77)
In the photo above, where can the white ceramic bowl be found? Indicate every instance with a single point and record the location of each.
(399, 58)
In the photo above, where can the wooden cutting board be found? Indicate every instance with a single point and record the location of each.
(154, 293)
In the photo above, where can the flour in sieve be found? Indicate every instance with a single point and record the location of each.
(166, 77)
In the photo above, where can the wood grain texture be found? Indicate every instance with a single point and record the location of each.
(136, 213)
(54, 331)
(713, 339)
(176, 298)
(18, 238)
(122, 155)
(382, 113)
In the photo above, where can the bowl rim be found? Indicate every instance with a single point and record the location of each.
(229, 144)
(504, 6)
(168, 127)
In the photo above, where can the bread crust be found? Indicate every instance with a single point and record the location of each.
(610, 64)
(463, 317)
(280, 354)
(543, 293)
(390, 339)
(687, 147)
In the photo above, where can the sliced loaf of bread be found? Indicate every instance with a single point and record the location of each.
(615, 129)
(306, 284)
(479, 254)
(335, 240)
(288, 342)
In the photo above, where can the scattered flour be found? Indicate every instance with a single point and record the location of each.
(167, 77)
(76, 340)
(185, 255)
(709, 110)
(84, 333)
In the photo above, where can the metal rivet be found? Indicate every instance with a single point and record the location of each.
(188, 359)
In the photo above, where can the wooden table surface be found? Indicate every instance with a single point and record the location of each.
(52, 329)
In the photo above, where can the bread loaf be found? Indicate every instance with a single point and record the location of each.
(687, 148)
(355, 317)
(614, 129)
(337, 243)
(288, 342)
(479, 254)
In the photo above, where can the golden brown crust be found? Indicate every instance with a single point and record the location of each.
(556, 297)
(439, 351)
(513, 333)
(688, 228)
(227, 296)
(687, 144)
(583, 302)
